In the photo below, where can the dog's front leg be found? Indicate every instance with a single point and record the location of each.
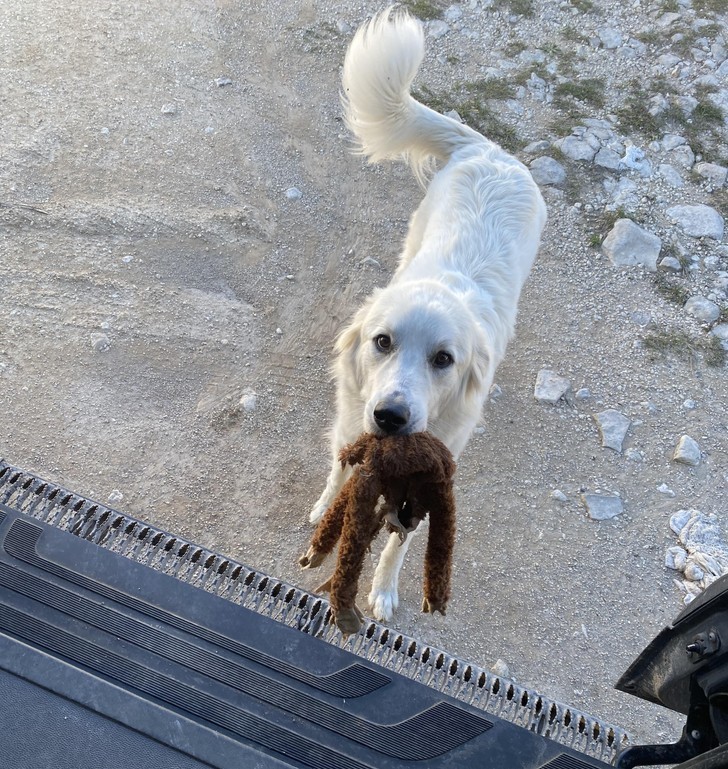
(337, 477)
(383, 597)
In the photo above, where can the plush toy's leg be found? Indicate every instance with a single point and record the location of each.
(438, 556)
(328, 530)
(360, 526)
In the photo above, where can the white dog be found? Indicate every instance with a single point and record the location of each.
(421, 353)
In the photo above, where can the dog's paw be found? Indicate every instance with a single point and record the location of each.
(317, 511)
(383, 603)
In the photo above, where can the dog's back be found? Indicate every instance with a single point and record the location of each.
(483, 214)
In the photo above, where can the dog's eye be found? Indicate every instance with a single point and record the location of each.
(383, 343)
(442, 359)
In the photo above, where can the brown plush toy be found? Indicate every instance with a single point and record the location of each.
(413, 473)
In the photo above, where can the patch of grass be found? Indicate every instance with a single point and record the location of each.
(683, 345)
(493, 88)
(719, 201)
(517, 7)
(634, 115)
(670, 289)
(702, 125)
(588, 91)
(584, 6)
(425, 9)
(572, 35)
(703, 6)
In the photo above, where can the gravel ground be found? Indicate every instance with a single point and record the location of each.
(184, 230)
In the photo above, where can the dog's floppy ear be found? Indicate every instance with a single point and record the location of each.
(478, 371)
(348, 343)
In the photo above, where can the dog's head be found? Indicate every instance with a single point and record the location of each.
(414, 358)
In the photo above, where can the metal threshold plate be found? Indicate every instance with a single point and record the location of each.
(124, 646)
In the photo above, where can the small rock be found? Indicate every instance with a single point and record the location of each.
(576, 148)
(670, 264)
(495, 392)
(535, 148)
(634, 158)
(279, 331)
(608, 159)
(100, 342)
(559, 495)
(713, 173)
(613, 426)
(550, 387)
(663, 488)
(721, 331)
(702, 309)
(293, 193)
(671, 175)
(676, 558)
(682, 156)
(634, 455)
(693, 572)
(169, 109)
(672, 141)
(501, 670)
(601, 507)
(115, 497)
(610, 38)
(545, 170)
(699, 221)
(437, 28)
(628, 245)
(583, 394)
(223, 81)
(249, 400)
(687, 452)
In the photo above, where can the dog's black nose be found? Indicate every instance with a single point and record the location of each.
(391, 417)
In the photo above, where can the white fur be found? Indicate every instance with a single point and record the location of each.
(469, 249)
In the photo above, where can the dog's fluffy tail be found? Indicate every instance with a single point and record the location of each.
(380, 65)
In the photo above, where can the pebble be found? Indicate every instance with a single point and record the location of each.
(293, 193)
(249, 400)
(547, 171)
(223, 81)
(610, 38)
(712, 172)
(671, 264)
(501, 670)
(115, 497)
(559, 495)
(702, 309)
(663, 488)
(687, 451)
(575, 148)
(699, 221)
(437, 29)
(721, 331)
(601, 507)
(613, 426)
(169, 109)
(628, 245)
(550, 387)
(100, 342)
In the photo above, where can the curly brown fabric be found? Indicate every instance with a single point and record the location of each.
(413, 474)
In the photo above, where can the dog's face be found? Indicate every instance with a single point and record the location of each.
(416, 360)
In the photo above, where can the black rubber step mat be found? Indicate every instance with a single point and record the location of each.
(105, 663)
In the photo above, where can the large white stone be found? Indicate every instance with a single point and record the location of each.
(628, 245)
(700, 221)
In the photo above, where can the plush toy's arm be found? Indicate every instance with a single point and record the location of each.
(440, 544)
(328, 530)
